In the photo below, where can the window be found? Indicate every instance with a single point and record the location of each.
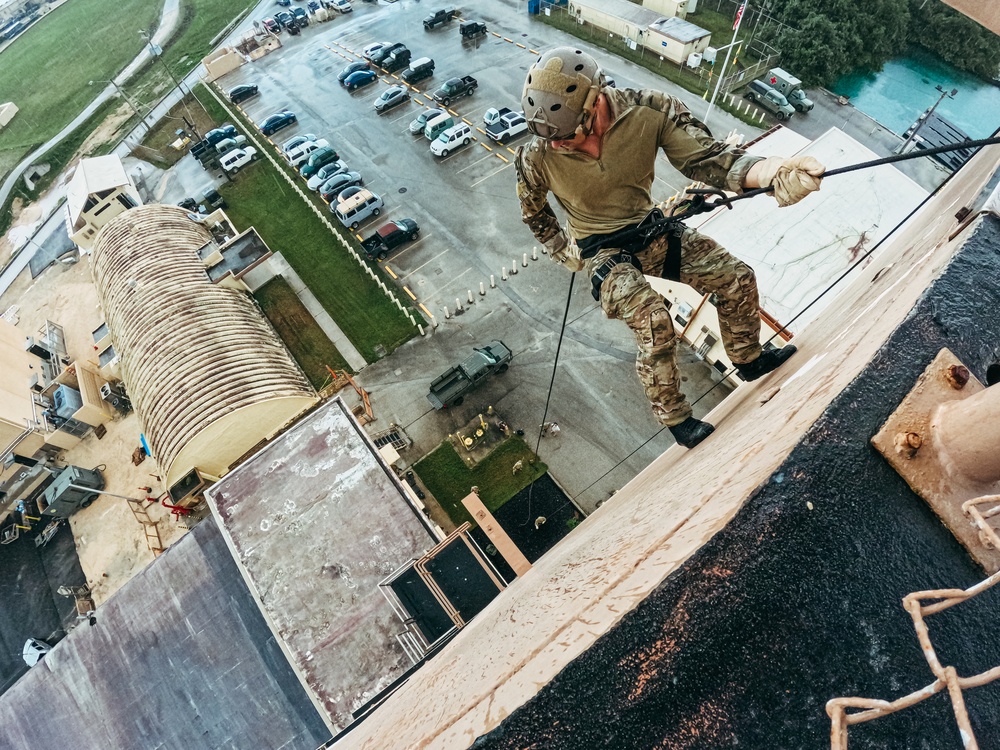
(126, 200)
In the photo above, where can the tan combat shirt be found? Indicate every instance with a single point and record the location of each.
(606, 194)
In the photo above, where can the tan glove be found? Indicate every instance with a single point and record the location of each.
(793, 179)
(564, 250)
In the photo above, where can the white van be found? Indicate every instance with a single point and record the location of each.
(233, 161)
(303, 151)
(454, 137)
(358, 208)
(438, 125)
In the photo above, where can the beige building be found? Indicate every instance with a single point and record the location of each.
(620, 17)
(676, 39)
(99, 190)
(670, 8)
(206, 373)
(7, 112)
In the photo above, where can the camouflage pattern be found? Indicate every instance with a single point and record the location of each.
(707, 268)
(604, 195)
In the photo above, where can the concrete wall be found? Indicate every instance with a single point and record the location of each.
(15, 370)
(221, 62)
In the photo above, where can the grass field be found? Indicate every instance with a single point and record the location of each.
(156, 148)
(46, 71)
(445, 474)
(298, 329)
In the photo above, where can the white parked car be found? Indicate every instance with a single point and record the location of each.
(453, 138)
(303, 151)
(297, 140)
(238, 158)
(341, 6)
(34, 650)
(371, 49)
(324, 173)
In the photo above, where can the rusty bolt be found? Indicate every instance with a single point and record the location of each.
(957, 376)
(908, 443)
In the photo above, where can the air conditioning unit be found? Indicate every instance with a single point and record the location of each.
(107, 393)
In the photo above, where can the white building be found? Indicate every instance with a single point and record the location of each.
(99, 190)
(797, 251)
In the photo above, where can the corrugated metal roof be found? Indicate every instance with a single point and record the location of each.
(622, 9)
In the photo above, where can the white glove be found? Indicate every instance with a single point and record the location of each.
(564, 250)
(793, 179)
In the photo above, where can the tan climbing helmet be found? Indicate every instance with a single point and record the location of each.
(560, 92)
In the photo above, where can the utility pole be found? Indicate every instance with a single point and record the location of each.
(123, 95)
(926, 117)
(722, 73)
(157, 52)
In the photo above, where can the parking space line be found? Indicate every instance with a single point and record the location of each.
(402, 116)
(411, 294)
(468, 123)
(456, 278)
(481, 130)
(512, 151)
(425, 263)
(491, 174)
(533, 51)
(411, 246)
(426, 311)
(477, 161)
(521, 45)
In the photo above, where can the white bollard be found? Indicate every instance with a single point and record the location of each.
(493, 282)
(421, 329)
(482, 289)
(458, 305)
(544, 250)
(524, 260)
(447, 315)
(434, 322)
(534, 253)
(471, 298)
(513, 268)
(410, 316)
(503, 274)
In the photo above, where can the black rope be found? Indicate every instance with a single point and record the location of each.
(552, 381)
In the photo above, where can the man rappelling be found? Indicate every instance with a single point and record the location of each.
(595, 151)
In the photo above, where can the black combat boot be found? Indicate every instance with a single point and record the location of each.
(765, 363)
(691, 431)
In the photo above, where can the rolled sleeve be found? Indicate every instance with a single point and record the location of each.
(533, 192)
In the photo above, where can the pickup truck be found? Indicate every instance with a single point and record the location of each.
(454, 88)
(504, 124)
(439, 17)
(387, 238)
(451, 387)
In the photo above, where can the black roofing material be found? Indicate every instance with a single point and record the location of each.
(788, 607)
(180, 657)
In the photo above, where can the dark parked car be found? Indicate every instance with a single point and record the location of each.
(359, 79)
(313, 5)
(301, 17)
(293, 29)
(271, 25)
(277, 121)
(208, 200)
(391, 97)
(284, 3)
(338, 182)
(398, 60)
(354, 67)
(421, 68)
(389, 237)
(284, 18)
(472, 29)
(242, 92)
(318, 159)
(379, 55)
(220, 134)
(439, 17)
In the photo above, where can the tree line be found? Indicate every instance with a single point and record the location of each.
(820, 40)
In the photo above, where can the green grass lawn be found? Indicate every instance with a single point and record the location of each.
(46, 70)
(446, 475)
(156, 145)
(260, 197)
(298, 329)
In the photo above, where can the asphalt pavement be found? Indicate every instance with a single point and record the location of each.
(471, 230)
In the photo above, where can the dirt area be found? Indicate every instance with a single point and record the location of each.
(110, 542)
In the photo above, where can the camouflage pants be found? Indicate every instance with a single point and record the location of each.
(709, 269)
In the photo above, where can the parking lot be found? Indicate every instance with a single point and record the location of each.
(470, 225)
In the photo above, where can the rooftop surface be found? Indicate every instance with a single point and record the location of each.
(180, 657)
(316, 521)
(679, 29)
(799, 250)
